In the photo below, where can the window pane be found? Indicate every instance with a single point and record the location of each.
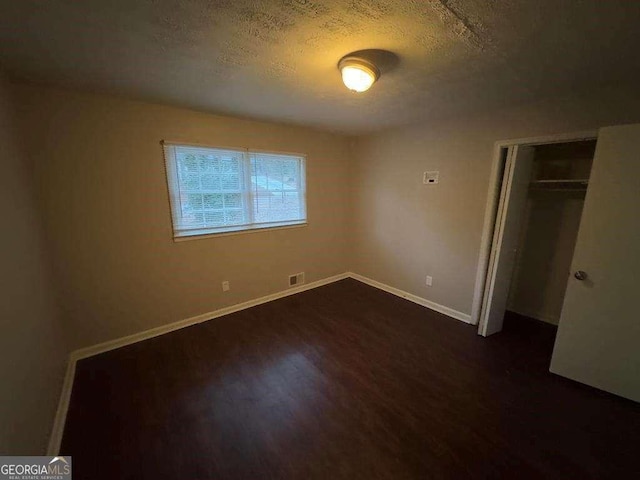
(232, 200)
(208, 164)
(214, 219)
(195, 217)
(234, 217)
(291, 205)
(203, 175)
(213, 200)
(210, 181)
(216, 188)
(193, 201)
(230, 182)
(190, 163)
(276, 181)
(190, 181)
(230, 165)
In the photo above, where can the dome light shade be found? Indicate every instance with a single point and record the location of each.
(358, 74)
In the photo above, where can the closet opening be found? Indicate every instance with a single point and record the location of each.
(542, 189)
(548, 233)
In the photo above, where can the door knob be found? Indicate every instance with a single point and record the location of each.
(580, 275)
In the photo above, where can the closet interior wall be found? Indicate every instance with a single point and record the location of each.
(549, 229)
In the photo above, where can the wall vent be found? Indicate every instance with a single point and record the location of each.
(297, 279)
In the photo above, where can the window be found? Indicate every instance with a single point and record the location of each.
(215, 190)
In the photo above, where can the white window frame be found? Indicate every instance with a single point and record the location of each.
(251, 227)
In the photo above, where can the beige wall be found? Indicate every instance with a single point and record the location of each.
(99, 169)
(32, 342)
(405, 230)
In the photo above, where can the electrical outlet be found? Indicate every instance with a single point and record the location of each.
(429, 281)
(431, 177)
(225, 286)
(296, 279)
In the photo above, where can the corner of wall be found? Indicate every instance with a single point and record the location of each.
(34, 343)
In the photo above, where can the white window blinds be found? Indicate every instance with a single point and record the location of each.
(216, 190)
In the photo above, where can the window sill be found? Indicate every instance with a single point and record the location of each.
(187, 238)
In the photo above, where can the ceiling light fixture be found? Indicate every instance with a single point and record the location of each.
(358, 74)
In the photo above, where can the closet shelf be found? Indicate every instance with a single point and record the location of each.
(561, 184)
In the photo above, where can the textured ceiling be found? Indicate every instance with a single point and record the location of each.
(276, 59)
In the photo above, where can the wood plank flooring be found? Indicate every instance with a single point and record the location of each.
(343, 382)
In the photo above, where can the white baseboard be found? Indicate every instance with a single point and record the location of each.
(65, 397)
(463, 317)
(60, 419)
(154, 332)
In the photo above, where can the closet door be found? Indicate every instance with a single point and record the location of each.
(513, 198)
(598, 341)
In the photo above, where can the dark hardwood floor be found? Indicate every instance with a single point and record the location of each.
(344, 382)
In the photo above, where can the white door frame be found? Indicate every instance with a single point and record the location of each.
(493, 197)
